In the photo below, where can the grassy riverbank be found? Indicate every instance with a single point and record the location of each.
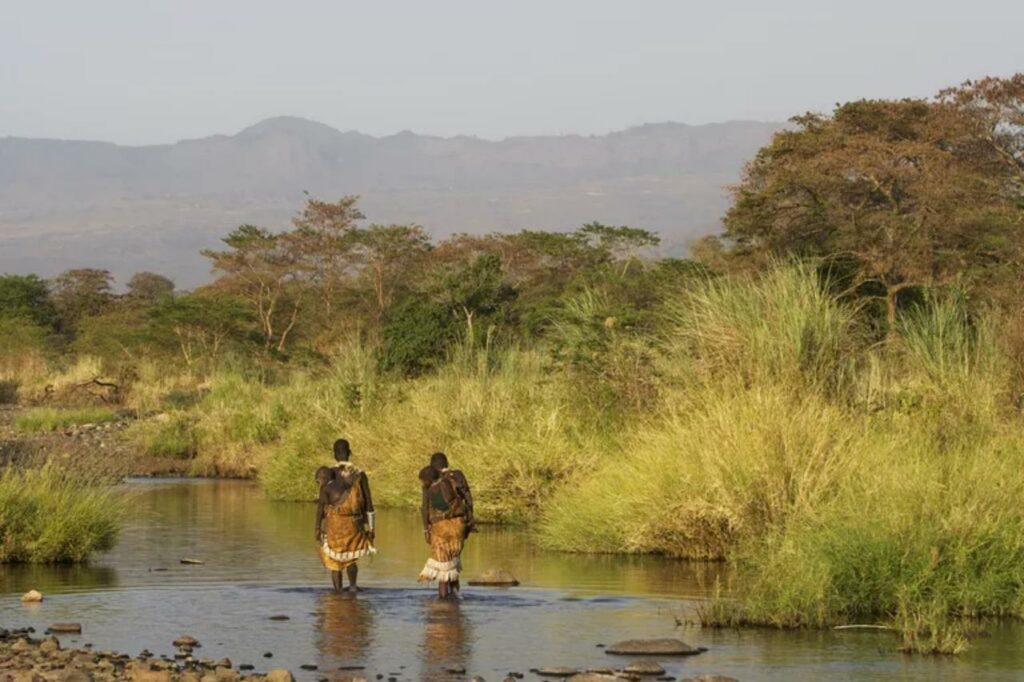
(848, 476)
(49, 516)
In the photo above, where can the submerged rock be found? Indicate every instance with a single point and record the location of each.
(557, 671)
(644, 668)
(72, 628)
(497, 577)
(654, 647)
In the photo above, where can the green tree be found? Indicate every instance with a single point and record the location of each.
(201, 327)
(388, 258)
(899, 192)
(415, 335)
(81, 293)
(26, 297)
(149, 288)
(268, 271)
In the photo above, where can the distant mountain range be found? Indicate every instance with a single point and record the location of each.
(71, 203)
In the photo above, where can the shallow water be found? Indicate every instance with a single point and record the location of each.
(260, 562)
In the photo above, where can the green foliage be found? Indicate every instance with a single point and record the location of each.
(26, 297)
(47, 515)
(43, 419)
(169, 435)
(415, 336)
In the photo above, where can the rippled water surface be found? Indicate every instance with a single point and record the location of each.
(259, 561)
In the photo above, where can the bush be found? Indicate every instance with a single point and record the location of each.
(47, 516)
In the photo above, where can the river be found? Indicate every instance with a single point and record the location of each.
(259, 561)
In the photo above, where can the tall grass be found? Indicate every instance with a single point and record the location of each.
(501, 418)
(845, 482)
(47, 515)
(42, 419)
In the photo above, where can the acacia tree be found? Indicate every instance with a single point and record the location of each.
(201, 325)
(388, 256)
(898, 189)
(80, 293)
(266, 270)
(323, 236)
(623, 244)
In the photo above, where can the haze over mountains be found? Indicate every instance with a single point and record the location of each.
(93, 204)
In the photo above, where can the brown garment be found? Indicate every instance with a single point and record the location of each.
(446, 539)
(346, 539)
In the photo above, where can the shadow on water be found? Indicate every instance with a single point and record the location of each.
(259, 562)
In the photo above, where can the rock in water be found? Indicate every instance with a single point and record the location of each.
(595, 677)
(644, 668)
(280, 675)
(497, 577)
(557, 671)
(186, 641)
(654, 647)
(73, 628)
(710, 677)
(192, 562)
(32, 597)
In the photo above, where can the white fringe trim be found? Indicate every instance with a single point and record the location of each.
(347, 556)
(442, 571)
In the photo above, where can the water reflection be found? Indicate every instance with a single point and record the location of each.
(345, 629)
(446, 637)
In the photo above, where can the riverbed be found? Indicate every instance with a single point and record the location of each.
(259, 566)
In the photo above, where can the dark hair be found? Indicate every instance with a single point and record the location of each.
(428, 475)
(342, 451)
(439, 461)
(324, 470)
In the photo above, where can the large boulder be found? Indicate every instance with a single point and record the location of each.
(654, 647)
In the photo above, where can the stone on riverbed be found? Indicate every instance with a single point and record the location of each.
(654, 647)
(32, 597)
(644, 667)
(557, 671)
(73, 628)
(280, 675)
(186, 641)
(497, 577)
(192, 562)
(710, 677)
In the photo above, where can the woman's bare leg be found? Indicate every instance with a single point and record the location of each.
(353, 573)
(336, 580)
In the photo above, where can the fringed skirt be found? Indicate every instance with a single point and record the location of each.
(446, 538)
(345, 540)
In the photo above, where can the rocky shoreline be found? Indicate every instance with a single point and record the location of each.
(24, 657)
(100, 449)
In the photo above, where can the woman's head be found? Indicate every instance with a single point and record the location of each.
(342, 451)
(323, 475)
(439, 461)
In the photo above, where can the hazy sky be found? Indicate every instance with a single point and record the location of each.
(142, 71)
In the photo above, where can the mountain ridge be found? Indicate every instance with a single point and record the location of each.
(69, 203)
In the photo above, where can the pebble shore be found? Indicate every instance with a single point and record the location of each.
(27, 658)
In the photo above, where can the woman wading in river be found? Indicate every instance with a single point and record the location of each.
(345, 525)
(447, 511)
